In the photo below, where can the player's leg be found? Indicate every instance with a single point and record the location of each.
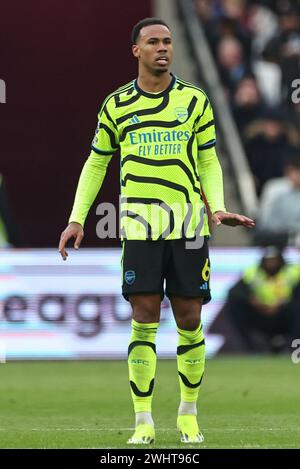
(142, 262)
(190, 364)
(188, 288)
(142, 363)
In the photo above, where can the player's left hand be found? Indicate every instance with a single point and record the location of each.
(232, 219)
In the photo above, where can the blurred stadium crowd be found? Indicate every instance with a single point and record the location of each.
(256, 46)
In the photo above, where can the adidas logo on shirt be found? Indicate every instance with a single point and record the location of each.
(134, 120)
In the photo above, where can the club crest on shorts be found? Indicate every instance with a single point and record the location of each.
(181, 113)
(129, 277)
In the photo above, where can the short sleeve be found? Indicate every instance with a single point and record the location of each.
(106, 139)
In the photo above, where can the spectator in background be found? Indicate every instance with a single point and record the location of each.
(261, 40)
(232, 64)
(233, 22)
(294, 114)
(279, 211)
(222, 20)
(263, 25)
(206, 14)
(268, 141)
(247, 103)
(269, 77)
(264, 305)
(228, 27)
(286, 44)
(8, 230)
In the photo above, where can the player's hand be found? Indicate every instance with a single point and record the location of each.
(73, 230)
(232, 219)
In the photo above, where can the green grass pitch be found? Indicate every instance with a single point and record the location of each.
(245, 403)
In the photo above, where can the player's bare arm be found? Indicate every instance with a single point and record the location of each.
(73, 230)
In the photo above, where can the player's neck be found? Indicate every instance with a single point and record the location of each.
(152, 83)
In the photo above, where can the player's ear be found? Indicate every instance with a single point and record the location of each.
(136, 50)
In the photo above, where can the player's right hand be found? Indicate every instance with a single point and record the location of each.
(73, 230)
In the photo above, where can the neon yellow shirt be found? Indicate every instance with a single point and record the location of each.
(167, 145)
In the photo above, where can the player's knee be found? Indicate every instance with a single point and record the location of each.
(145, 315)
(189, 325)
(188, 321)
(145, 310)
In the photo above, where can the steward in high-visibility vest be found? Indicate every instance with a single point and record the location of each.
(264, 305)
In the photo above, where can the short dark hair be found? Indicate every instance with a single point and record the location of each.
(142, 23)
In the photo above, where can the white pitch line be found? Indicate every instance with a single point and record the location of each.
(105, 429)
